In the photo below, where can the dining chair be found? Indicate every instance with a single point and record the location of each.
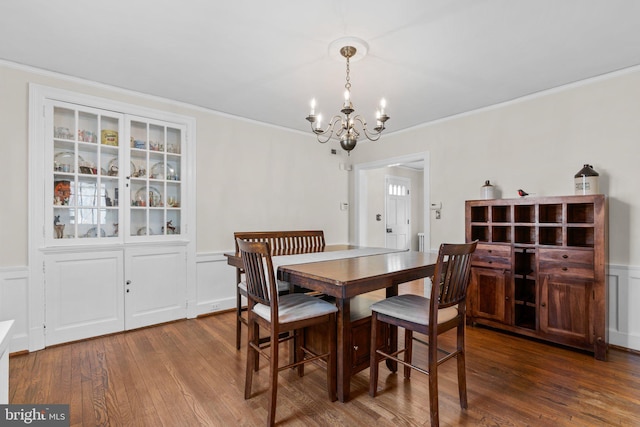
(280, 314)
(443, 311)
(241, 309)
(280, 243)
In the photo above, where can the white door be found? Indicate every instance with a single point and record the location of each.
(155, 285)
(398, 212)
(83, 295)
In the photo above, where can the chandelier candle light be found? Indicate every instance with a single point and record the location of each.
(347, 128)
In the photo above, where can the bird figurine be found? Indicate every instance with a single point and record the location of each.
(522, 193)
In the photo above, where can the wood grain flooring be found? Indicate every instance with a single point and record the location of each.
(188, 373)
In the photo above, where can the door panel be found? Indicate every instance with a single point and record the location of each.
(564, 308)
(489, 295)
(155, 286)
(84, 295)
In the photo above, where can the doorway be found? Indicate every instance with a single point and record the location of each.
(397, 212)
(365, 219)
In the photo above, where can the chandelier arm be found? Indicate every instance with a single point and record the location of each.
(373, 136)
(328, 131)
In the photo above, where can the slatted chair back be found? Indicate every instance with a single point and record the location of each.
(258, 269)
(453, 268)
(286, 242)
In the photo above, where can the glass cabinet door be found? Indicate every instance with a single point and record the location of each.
(114, 177)
(85, 166)
(155, 178)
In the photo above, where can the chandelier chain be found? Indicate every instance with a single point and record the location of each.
(348, 83)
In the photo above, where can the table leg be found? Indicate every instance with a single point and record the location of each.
(343, 336)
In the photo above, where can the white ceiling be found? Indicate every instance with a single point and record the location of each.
(264, 60)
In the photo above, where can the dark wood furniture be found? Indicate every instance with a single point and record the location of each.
(280, 243)
(344, 279)
(540, 268)
(288, 315)
(444, 310)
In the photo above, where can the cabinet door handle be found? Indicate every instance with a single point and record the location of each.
(565, 256)
(543, 304)
(355, 348)
(507, 298)
(128, 282)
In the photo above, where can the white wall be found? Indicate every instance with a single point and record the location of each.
(249, 176)
(538, 144)
(255, 176)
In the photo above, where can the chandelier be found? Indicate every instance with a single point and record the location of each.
(347, 127)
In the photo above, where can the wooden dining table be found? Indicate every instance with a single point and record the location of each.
(346, 278)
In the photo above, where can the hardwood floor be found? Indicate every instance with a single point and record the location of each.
(189, 373)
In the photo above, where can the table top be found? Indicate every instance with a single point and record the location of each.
(345, 278)
(234, 259)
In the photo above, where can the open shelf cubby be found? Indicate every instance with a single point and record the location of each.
(551, 213)
(580, 237)
(501, 234)
(525, 316)
(524, 262)
(525, 213)
(580, 213)
(479, 214)
(480, 232)
(525, 234)
(550, 236)
(501, 213)
(525, 291)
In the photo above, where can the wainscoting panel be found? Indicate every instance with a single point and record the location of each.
(14, 305)
(624, 297)
(215, 291)
(215, 285)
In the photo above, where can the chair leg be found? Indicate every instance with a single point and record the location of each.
(373, 356)
(462, 374)
(433, 379)
(408, 352)
(298, 344)
(273, 379)
(252, 357)
(238, 310)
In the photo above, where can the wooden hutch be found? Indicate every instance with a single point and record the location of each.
(540, 268)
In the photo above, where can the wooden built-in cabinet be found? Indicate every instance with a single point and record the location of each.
(540, 268)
